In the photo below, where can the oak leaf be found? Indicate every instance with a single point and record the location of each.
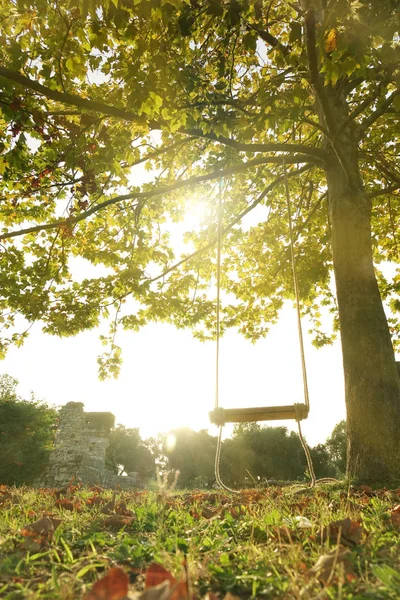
(114, 586)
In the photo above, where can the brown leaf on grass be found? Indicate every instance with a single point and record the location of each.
(66, 504)
(345, 532)
(122, 509)
(395, 517)
(324, 568)
(158, 592)
(157, 575)
(67, 490)
(40, 532)
(114, 586)
(208, 512)
(5, 497)
(117, 521)
(108, 508)
(95, 500)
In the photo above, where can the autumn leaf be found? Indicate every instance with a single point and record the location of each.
(121, 509)
(324, 568)
(95, 500)
(209, 513)
(114, 586)
(157, 575)
(40, 532)
(117, 521)
(345, 532)
(67, 504)
(159, 592)
(395, 517)
(331, 41)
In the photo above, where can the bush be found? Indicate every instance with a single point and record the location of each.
(27, 430)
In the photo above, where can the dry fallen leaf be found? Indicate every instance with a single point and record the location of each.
(345, 532)
(114, 586)
(158, 592)
(66, 504)
(156, 574)
(395, 517)
(117, 521)
(39, 533)
(324, 568)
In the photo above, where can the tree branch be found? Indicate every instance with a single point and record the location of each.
(382, 191)
(270, 39)
(72, 99)
(268, 147)
(379, 112)
(119, 113)
(294, 159)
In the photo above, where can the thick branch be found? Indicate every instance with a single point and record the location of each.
(119, 113)
(218, 173)
(72, 99)
(382, 191)
(268, 147)
(270, 39)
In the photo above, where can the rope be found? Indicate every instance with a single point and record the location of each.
(314, 481)
(296, 289)
(218, 335)
(218, 318)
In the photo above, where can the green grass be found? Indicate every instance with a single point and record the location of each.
(250, 545)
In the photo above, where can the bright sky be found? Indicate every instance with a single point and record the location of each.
(168, 378)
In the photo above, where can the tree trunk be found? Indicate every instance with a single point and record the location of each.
(372, 384)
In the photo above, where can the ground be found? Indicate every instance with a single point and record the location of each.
(284, 543)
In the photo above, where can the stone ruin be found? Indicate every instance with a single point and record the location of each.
(80, 450)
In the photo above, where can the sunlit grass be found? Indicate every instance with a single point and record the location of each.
(250, 545)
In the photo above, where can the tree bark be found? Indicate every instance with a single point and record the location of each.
(372, 384)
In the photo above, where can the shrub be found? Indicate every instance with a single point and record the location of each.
(27, 430)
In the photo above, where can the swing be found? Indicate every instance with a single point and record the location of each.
(297, 412)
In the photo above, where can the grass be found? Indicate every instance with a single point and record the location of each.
(251, 545)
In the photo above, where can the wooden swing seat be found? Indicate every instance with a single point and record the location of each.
(220, 416)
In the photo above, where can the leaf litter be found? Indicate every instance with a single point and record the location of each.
(111, 552)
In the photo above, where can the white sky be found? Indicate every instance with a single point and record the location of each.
(168, 378)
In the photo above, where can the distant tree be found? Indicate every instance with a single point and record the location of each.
(27, 430)
(273, 452)
(193, 455)
(322, 461)
(337, 447)
(127, 453)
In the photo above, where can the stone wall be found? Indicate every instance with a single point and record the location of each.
(80, 450)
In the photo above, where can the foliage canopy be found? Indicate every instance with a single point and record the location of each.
(193, 91)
